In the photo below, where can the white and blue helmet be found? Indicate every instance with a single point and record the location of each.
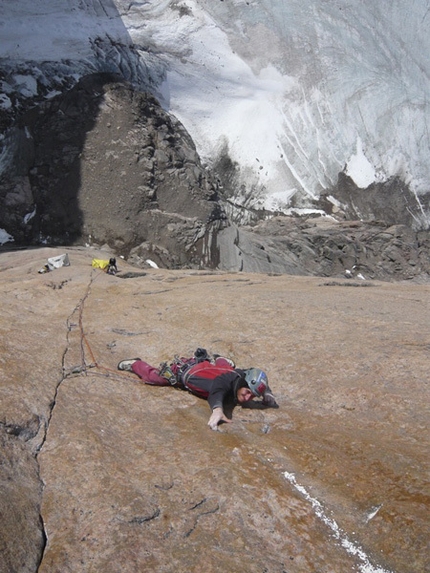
(257, 381)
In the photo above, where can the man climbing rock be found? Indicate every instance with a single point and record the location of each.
(215, 379)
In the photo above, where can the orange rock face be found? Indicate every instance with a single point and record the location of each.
(105, 473)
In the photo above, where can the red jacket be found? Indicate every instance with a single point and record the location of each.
(213, 382)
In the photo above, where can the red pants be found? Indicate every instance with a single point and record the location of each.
(149, 374)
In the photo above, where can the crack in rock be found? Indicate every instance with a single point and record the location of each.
(145, 518)
(209, 511)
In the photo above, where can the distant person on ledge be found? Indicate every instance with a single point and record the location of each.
(213, 378)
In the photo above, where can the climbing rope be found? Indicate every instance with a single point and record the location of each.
(83, 340)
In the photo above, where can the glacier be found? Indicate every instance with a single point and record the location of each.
(292, 93)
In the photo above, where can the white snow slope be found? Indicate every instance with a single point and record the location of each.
(294, 91)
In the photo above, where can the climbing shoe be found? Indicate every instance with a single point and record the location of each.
(127, 364)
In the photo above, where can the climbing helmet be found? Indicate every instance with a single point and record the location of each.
(257, 381)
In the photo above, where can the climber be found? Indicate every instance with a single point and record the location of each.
(213, 378)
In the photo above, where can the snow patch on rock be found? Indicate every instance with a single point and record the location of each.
(5, 237)
(360, 169)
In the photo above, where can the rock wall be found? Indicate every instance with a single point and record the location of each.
(100, 472)
(321, 246)
(391, 202)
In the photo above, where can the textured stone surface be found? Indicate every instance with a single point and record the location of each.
(128, 477)
(320, 246)
(22, 537)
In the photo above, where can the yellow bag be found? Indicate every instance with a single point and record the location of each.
(100, 264)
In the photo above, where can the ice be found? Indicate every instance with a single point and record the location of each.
(365, 565)
(360, 169)
(26, 85)
(303, 89)
(5, 237)
(5, 102)
(294, 92)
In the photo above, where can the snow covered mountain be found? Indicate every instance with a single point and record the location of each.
(279, 95)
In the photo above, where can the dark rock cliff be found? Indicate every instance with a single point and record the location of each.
(103, 163)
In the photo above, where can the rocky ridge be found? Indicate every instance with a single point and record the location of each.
(320, 246)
